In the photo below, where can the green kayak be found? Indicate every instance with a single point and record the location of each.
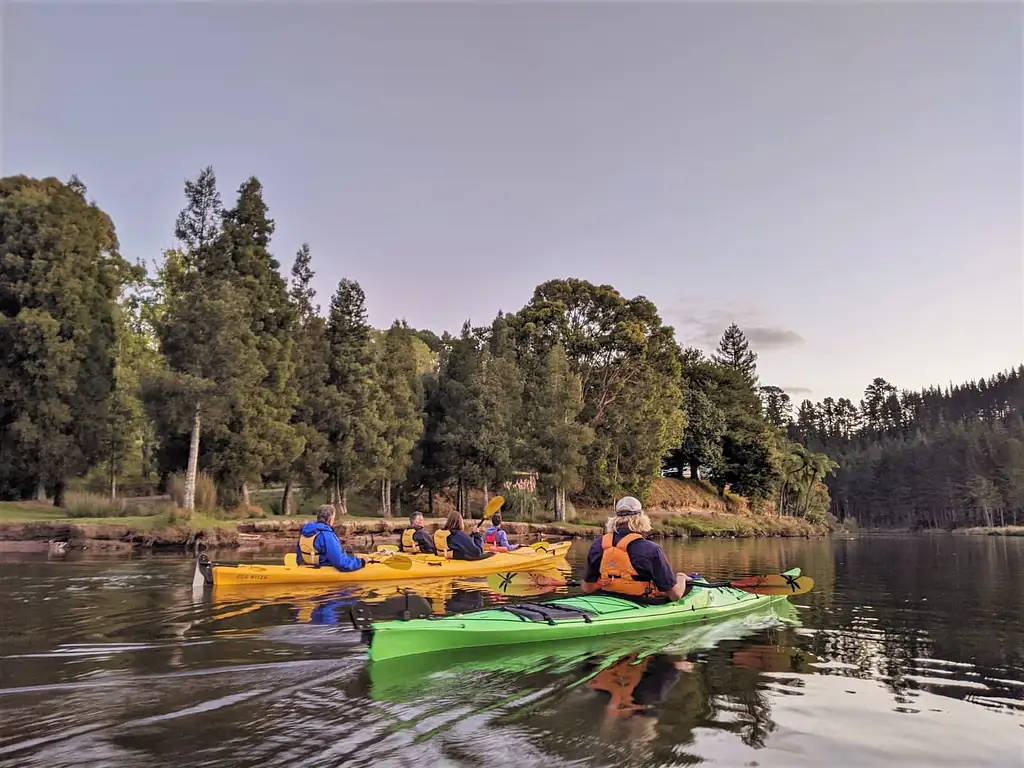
(562, 619)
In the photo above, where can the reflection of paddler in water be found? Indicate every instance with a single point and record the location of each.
(634, 691)
(637, 687)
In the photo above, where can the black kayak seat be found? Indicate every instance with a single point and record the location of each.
(548, 612)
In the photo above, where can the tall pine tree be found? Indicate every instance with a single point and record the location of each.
(354, 427)
(734, 352)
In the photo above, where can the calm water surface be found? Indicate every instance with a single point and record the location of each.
(909, 651)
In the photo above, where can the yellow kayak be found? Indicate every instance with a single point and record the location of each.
(382, 567)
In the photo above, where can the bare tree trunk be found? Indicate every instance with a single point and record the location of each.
(189, 502)
(245, 495)
(487, 496)
(694, 470)
(58, 493)
(430, 501)
(343, 501)
(286, 498)
(41, 490)
(398, 503)
(559, 504)
(385, 497)
(113, 476)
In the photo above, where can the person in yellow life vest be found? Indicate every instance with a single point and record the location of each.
(319, 545)
(454, 539)
(624, 563)
(416, 538)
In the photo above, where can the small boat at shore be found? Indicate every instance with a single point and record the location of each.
(381, 567)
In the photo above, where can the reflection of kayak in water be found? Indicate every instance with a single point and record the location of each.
(404, 678)
(306, 599)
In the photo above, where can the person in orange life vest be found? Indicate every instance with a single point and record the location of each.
(625, 564)
(416, 538)
(495, 537)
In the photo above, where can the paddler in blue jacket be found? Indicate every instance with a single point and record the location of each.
(319, 545)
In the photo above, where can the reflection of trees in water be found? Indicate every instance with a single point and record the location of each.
(904, 600)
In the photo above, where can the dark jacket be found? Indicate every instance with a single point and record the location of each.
(465, 547)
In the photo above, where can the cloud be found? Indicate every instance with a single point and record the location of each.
(797, 390)
(772, 338)
(702, 326)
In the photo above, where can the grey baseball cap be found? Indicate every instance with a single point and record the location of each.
(628, 505)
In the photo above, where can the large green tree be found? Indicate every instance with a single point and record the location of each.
(60, 278)
(555, 439)
(734, 352)
(630, 370)
(354, 427)
(401, 409)
(315, 396)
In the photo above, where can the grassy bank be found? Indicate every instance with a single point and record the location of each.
(1008, 530)
(678, 509)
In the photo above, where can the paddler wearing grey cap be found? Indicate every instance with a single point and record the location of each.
(626, 564)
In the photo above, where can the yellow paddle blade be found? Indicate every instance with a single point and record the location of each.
(398, 562)
(290, 560)
(493, 505)
(525, 582)
(768, 581)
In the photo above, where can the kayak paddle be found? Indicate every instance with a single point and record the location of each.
(776, 584)
(399, 562)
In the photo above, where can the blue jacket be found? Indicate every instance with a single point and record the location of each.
(328, 545)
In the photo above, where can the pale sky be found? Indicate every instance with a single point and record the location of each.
(844, 182)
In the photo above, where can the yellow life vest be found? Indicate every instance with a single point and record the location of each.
(408, 542)
(309, 554)
(441, 542)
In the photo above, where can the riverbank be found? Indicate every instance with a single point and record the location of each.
(1007, 530)
(359, 533)
(678, 509)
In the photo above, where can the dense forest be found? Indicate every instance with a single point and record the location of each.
(938, 458)
(210, 363)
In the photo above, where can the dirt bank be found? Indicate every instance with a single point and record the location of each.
(364, 534)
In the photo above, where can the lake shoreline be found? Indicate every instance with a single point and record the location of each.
(360, 533)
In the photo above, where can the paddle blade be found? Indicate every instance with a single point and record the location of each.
(290, 560)
(398, 562)
(526, 582)
(776, 586)
(493, 505)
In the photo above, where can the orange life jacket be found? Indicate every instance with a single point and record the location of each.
(620, 681)
(618, 575)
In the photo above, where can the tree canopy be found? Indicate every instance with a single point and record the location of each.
(214, 362)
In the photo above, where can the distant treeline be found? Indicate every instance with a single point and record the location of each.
(213, 361)
(935, 458)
